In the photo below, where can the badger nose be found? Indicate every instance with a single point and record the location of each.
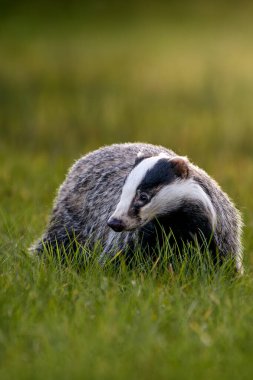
(116, 224)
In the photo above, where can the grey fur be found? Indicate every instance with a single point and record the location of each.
(92, 189)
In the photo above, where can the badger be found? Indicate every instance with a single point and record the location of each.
(124, 194)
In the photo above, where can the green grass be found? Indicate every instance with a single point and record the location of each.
(68, 85)
(150, 322)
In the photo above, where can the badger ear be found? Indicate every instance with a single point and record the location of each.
(180, 166)
(140, 157)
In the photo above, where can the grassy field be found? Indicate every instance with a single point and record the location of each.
(69, 84)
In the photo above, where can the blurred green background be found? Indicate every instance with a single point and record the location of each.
(75, 76)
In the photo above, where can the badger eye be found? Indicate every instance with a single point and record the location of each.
(143, 197)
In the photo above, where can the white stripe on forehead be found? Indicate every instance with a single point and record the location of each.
(133, 180)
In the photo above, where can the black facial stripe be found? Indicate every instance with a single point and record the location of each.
(134, 211)
(162, 173)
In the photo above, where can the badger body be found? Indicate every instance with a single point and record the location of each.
(124, 194)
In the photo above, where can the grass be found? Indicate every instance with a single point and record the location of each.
(120, 323)
(66, 87)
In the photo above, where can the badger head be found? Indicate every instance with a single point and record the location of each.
(156, 186)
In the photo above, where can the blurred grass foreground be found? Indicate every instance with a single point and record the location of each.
(75, 76)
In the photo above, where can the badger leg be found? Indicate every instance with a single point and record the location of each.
(239, 264)
(111, 248)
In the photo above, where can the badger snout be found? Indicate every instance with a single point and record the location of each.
(116, 224)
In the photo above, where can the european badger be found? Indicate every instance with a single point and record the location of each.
(120, 195)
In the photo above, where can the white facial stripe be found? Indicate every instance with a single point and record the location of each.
(170, 197)
(132, 182)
